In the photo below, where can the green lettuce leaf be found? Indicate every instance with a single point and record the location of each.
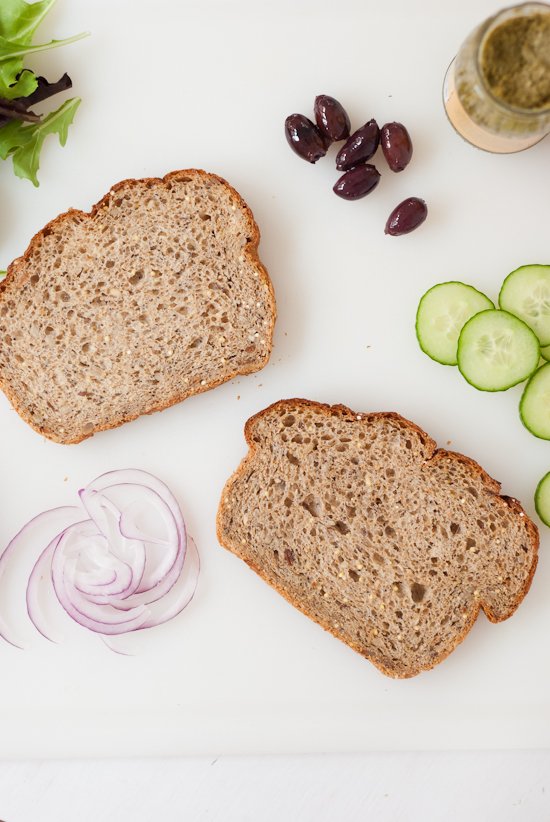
(23, 87)
(19, 109)
(11, 52)
(19, 21)
(45, 89)
(13, 136)
(2, 274)
(24, 142)
(11, 48)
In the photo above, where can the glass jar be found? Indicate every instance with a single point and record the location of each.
(488, 121)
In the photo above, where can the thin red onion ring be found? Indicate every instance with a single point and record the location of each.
(109, 574)
(179, 597)
(41, 568)
(163, 578)
(41, 521)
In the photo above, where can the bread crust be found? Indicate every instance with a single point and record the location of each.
(492, 486)
(16, 274)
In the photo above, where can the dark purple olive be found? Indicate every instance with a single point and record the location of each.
(331, 118)
(396, 145)
(357, 182)
(359, 147)
(407, 216)
(304, 138)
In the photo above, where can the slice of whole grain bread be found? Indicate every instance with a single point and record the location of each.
(360, 522)
(154, 296)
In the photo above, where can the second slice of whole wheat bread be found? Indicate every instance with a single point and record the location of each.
(156, 295)
(361, 523)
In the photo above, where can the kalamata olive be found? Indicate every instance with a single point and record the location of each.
(396, 145)
(407, 216)
(359, 147)
(357, 182)
(331, 118)
(304, 138)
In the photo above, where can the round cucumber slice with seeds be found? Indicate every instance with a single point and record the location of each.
(526, 293)
(534, 407)
(545, 352)
(496, 350)
(441, 315)
(542, 499)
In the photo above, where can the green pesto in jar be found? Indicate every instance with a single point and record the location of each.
(515, 62)
(501, 78)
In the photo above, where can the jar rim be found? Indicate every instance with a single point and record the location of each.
(484, 31)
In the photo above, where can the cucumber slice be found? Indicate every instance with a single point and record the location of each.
(542, 499)
(496, 351)
(441, 314)
(526, 293)
(545, 352)
(534, 406)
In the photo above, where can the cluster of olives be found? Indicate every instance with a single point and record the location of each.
(311, 141)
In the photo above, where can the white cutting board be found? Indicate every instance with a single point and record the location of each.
(175, 84)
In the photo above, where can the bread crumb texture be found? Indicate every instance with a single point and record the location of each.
(156, 295)
(389, 544)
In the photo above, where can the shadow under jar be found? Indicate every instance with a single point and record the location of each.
(497, 89)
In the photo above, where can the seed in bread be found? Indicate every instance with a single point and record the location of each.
(361, 523)
(156, 295)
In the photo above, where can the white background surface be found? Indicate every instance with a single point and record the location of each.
(180, 84)
(482, 787)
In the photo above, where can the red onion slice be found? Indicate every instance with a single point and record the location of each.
(110, 572)
(135, 476)
(40, 572)
(48, 522)
(166, 609)
(161, 571)
(174, 541)
(180, 595)
(99, 617)
(107, 518)
(100, 504)
(111, 644)
(92, 589)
